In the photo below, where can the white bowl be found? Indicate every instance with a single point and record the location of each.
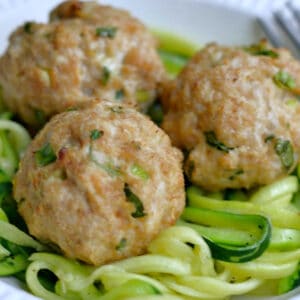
(196, 20)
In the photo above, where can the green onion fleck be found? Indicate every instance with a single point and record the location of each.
(284, 150)
(72, 108)
(119, 95)
(45, 155)
(40, 117)
(105, 75)
(142, 96)
(292, 102)
(96, 134)
(212, 140)
(117, 109)
(121, 245)
(155, 112)
(261, 49)
(28, 27)
(131, 197)
(284, 80)
(111, 169)
(138, 171)
(109, 32)
(236, 174)
(269, 138)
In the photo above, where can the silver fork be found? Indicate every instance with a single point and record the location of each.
(282, 26)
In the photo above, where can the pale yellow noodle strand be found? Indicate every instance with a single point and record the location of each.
(261, 270)
(113, 279)
(151, 263)
(281, 217)
(280, 257)
(183, 290)
(204, 261)
(217, 287)
(276, 189)
(282, 201)
(172, 247)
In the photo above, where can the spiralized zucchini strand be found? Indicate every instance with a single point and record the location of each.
(18, 135)
(271, 192)
(17, 236)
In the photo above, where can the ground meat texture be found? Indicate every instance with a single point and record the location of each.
(236, 114)
(100, 183)
(48, 68)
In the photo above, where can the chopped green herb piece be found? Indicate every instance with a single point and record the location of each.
(143, 96)
(109, 32)
(96, 134)
(119, 95)
(105, 75)
(111, 169)
(72, 108)
(138, 171)
(131, 197)
(284, 80)
(28, 27)
(212, 140)
(121, 245)
(284, 150)
(116, 109)
(60, 174)
(155, 112)
(108, 167)
(292, 102)
(40, 117)
(235, 174)
(269, 138)
(45, 155)
(260, 49)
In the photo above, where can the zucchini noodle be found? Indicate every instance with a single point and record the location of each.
(181, 263)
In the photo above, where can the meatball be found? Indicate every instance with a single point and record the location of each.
(100, 183)
(236, 114)
(48, 68)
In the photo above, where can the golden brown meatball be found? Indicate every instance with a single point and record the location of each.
(48, 68)
(237, 115)
(100, 183)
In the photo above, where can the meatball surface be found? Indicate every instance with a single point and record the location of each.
(100, 183)
(48, 68)
(237, 115)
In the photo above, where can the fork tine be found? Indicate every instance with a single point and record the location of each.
(294, 9)
(289, 25)
(270, 32)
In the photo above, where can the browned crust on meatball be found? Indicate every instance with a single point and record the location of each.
(48, 68)
(232, 93)
(78, 202)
